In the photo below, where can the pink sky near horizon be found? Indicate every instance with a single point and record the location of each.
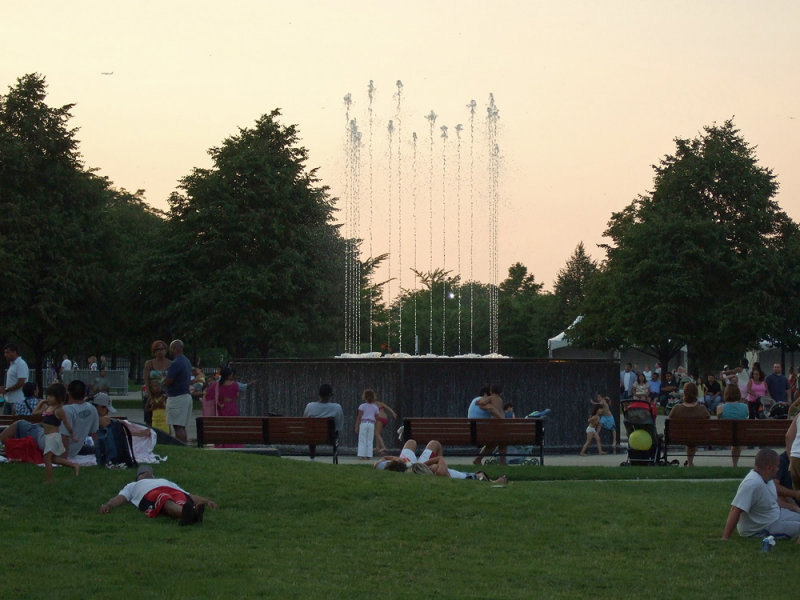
(590, 94)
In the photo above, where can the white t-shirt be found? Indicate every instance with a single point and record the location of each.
(326, 409)
(136, 490)
(741, 380)
(17, 370)
(759, 501)
(628, 378)
(795, 451)
(66, 365)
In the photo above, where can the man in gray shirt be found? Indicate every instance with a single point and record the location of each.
(322, 409)
(82, 416)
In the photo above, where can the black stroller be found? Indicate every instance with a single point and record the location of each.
(770, 409)
(644, 448)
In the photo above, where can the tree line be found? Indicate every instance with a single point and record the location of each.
(248, 260)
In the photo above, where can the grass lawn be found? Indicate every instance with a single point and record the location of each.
(291, 529)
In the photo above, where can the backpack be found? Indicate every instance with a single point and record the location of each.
(114, 445)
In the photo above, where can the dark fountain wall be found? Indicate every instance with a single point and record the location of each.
(417, 387)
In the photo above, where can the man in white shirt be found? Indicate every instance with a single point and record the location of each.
(66, 364)
(759, 507)
(16, 376)
(154, 496)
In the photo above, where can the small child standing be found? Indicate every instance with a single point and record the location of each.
(52, 411)
(157, 405)
(591, 434)
(365, 424)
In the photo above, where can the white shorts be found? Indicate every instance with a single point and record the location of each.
(179, 410)
(411, 458)
(53, 443)
(459, 474)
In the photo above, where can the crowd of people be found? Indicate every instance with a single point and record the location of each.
(73, 415)
(666, 388)
(767, 502)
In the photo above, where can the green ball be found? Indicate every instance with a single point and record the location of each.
(640, 440)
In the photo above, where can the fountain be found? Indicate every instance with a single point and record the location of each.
(430, 384)
(390, 173)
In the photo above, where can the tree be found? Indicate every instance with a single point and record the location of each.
(570, 286)
(686, 262)
(254, 263)
(133, 231)
(526, 314)
(50, 203)
(784, 330)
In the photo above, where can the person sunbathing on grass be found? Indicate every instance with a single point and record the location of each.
(153, 496)
(429, 462)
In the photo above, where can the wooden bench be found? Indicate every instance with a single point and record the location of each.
(476, 432)
(6, 420)
(259, 431)
(725, 432)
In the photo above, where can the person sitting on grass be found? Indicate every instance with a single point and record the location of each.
(102, 402)
(760, 507)
(53, 415)
(27, 405)
(430, 462)
(154, 496)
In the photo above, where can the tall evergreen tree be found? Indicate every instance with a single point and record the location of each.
(254, 263)
(51, 206)
(570, 285)
(690, 263)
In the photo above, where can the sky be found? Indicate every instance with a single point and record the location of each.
(590, 94)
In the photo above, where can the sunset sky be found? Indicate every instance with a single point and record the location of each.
(590, 94)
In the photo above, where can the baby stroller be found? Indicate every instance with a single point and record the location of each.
(519, 455)
(645, 445)
(770, 409)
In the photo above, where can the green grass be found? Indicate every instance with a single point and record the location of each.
(291, 529)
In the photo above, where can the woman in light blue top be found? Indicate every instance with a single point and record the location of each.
(732, 408)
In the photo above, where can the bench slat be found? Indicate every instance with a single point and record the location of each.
(449, 432)
(476, 432)
(516, 431)
(725, 432)
(299, 430)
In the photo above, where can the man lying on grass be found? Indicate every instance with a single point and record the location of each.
(430, 462)
(759, 508)
(153, 496)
